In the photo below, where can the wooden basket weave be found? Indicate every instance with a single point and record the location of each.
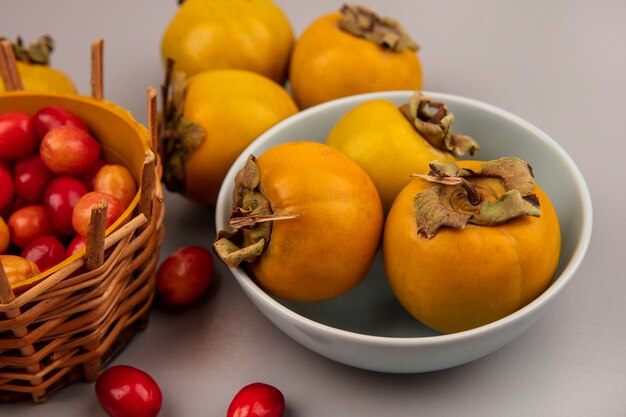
(67, 324)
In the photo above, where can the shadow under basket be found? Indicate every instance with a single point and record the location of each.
(67, 323)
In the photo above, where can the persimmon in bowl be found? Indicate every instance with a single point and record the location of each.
(367, 327)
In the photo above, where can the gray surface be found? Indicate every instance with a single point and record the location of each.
(558, 64)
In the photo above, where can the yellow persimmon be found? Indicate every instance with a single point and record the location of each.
(391, 142)
(34, 71)
(252, 35)
(213, 117)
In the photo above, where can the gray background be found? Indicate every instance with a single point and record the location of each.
(559, 64)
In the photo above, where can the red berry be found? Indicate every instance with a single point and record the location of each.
(118, 181)
(17, 204)
(17, 135)
(89, 176)
(125, 391)
(46, 252)
(185, 275)
(257, 400)
(6, 187)
(31, 179)
(59, 200)
(81, 214)
(76, 244)
(50, 117)
(68, 150)
(27, 224)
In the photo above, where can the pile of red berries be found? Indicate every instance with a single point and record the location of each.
(51, 175)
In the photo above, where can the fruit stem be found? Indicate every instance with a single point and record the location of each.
(178, 138)
(239, 222)
(498, 193)
(473, 196)
(386, 32)
(251, 218)
(437, 128)
(37, 52)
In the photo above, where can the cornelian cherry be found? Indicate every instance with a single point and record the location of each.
(17, 135)
(76, 244)
(27, 224)
(47, 118)
(45, 252)
(116, 180)
(69, 150)
(125, 391)
(59, 200)
(257, 400)
(81, 214)
(184, 275)
(31, 179)
(88, 177)
(6, 187)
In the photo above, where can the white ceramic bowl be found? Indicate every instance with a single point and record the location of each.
(367, 328)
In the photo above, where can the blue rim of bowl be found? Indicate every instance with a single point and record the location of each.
(555, 288)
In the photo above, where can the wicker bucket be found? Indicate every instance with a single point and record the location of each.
(65, 324)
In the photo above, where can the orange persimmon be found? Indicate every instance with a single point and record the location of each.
(471, 244)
